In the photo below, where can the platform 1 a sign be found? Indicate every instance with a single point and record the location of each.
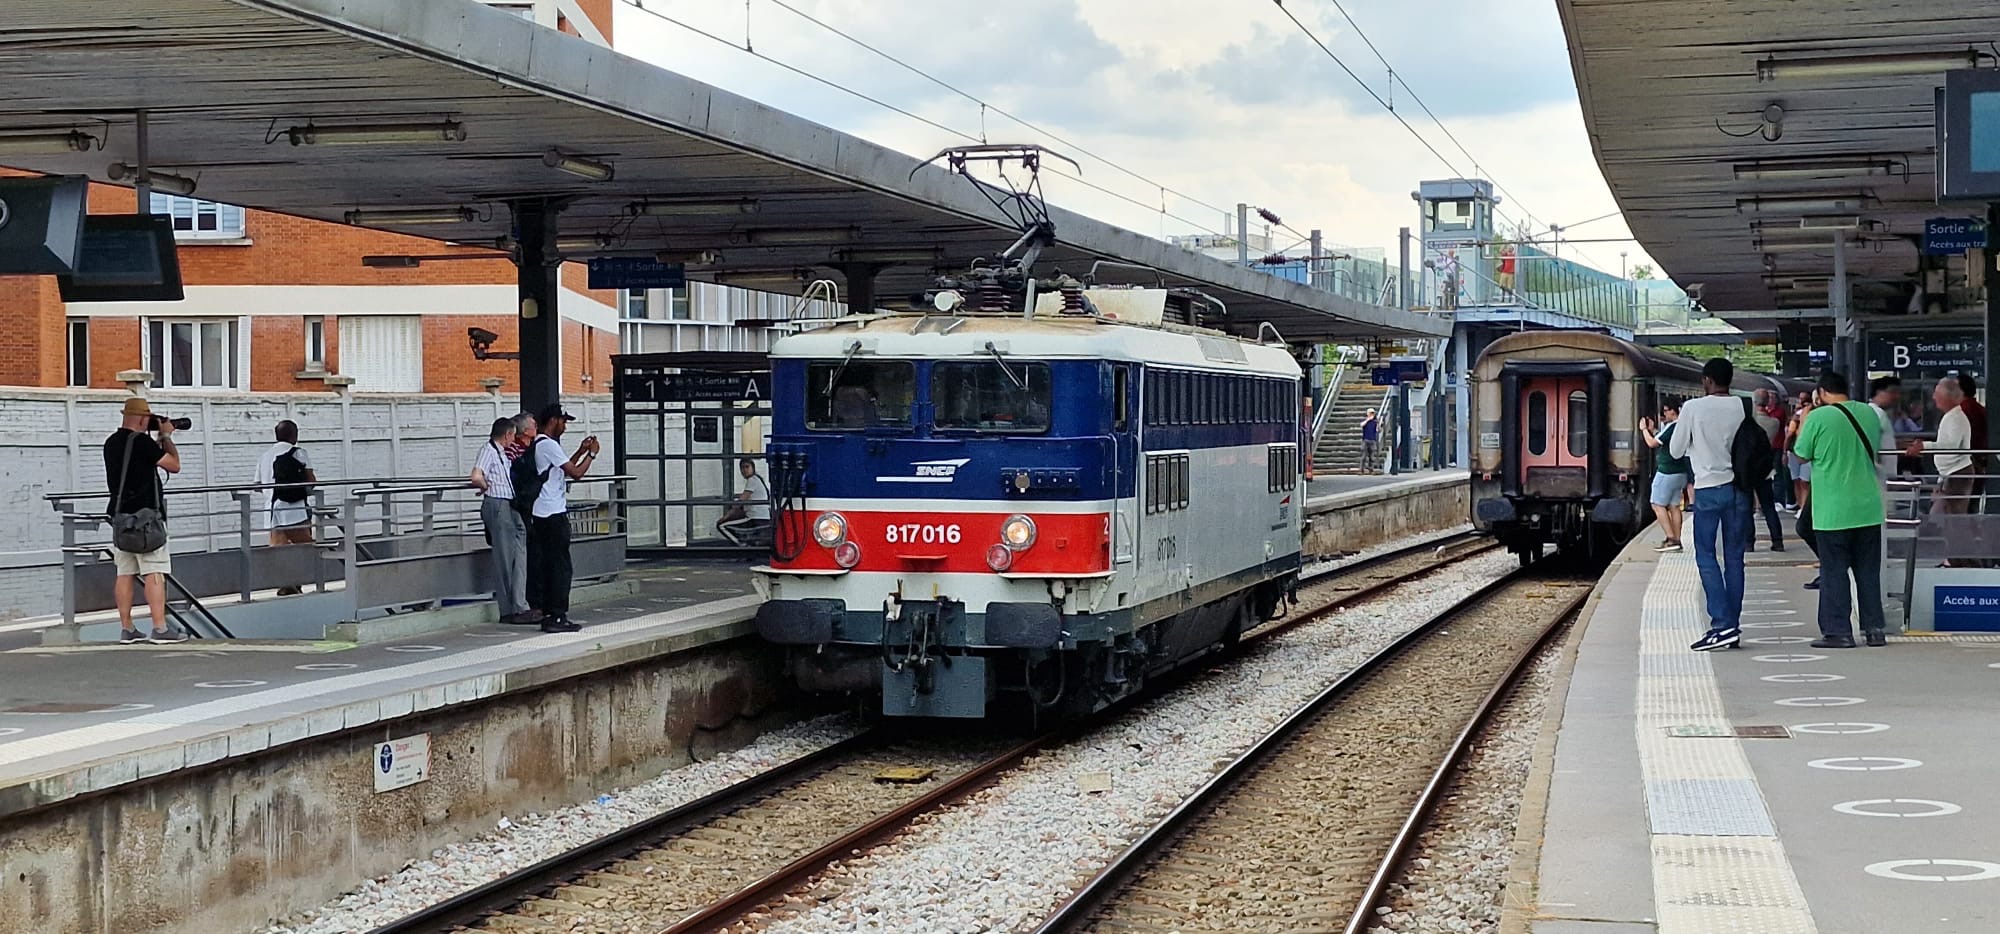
(695, 386)
(400, 763)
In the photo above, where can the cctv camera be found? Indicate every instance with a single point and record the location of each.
(481, 335)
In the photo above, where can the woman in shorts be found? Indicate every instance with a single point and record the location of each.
(1670, 475)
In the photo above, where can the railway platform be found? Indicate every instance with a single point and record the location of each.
(85, 719)
(1775, 788)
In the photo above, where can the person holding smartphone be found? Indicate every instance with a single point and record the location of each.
(549, 571)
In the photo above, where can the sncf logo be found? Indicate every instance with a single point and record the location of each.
(929, 472)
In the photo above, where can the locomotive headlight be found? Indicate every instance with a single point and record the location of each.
(830, 529)
(1018, 532)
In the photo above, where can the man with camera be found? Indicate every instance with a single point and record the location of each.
(549, 571)
(132, 461)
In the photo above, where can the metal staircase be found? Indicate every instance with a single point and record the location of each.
(1339, 446)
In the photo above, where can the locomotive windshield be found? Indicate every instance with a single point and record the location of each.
(991, 396)
(860, 394)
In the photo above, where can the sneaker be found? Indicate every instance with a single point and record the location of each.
(1812, 584)
(1778, 547)
(166, 637)
(560, 624)
(1833, 642)
(1668, 545)
(1718, 639)
(1878, 639)
(130, 637)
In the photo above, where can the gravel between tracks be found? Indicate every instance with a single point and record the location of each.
(1456, 876)
(522, 841)
(1011, 853)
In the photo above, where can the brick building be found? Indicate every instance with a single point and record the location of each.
(278, 304)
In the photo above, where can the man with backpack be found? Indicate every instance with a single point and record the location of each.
(1729, 452)
(541, 488)
(1840, 439)
(287, 477)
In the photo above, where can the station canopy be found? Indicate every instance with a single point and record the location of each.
(225, 83)
(1741, 136)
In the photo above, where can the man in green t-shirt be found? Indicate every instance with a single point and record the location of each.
(1840, 439)
(1670, 474)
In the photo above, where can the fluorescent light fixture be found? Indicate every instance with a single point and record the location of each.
(776, 277)
(1830, 222)
(579, 166)
(801, 237)
(160, 181)
(1830, 167)
(691, 207)
(585, 243)
(367, 134)
(1867, 66)
(1805, 246)
(31, 144)
(930, 255)
(411, 218)
(689, 257)
(1804, 204)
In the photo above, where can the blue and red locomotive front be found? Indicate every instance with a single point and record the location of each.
(1042, 513)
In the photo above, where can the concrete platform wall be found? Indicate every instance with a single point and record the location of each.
(232, 847)
(1349, 522)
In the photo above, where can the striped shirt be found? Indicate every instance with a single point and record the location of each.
(494, 464)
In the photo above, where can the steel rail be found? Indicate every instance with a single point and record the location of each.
(1075, 913)
(496, 896)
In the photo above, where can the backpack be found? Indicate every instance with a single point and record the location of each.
(290, 476)
(1751, 458)
(527, 480)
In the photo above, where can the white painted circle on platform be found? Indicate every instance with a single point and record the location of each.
(1774, 624)
(1994, 665)
(1781, 640)
(720, 590)
(1924, 807)
(1865, 763)
(327, 666)
(11, 730)
(1765, 602)
(1840, 728)
(1978, 871)
(1820, 701)
(237, 683)
(1761, 593)
(1789, 659)
(1803, 677)
(673, 599)
(125, 708)
(1770, 612)
(414, 648)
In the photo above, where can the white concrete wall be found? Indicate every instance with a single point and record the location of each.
(51, 441)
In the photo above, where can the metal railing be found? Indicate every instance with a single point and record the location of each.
(378, 545)
(1938, 535)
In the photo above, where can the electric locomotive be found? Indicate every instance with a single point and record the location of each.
(1558, 458)
(977, 511)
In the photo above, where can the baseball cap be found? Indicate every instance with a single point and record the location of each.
(551, 412)
(137, 406)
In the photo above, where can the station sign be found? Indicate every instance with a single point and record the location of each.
(695, 386)
(635, 272)
(1965, 609)
(1399, 371)
(1942, 350)
(400, 763)
(1944, 236)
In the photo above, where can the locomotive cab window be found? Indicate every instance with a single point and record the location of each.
(992, 397)
(857, 394)
(1579, 424)
(1538, 423)
(1121, 402)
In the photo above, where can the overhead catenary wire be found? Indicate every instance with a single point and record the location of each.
(641, 6)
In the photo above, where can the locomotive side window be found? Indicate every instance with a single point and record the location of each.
(859, 394)
(1153, 401)
(1121, 402)
(1538, 423)
(990, 396)
(1579, 424)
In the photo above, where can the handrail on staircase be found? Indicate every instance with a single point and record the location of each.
(1326, 404)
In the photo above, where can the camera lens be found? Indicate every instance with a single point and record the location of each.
(183, 424)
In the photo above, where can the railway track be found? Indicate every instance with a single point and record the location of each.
(1306, 829)
(700, 866)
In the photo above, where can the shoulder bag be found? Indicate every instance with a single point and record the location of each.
(140, 532)
(1805, 528)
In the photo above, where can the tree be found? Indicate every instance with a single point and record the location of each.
(1642, 271)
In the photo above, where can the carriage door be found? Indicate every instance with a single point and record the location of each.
(1555, 437)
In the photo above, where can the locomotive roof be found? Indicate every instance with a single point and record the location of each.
(1044, 336)
(1644, 361)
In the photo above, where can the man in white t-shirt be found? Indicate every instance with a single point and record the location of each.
(753, 514)
(286, 476)
(549, 570)
(1704, 435)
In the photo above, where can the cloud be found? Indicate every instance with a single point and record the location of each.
(1226, 104)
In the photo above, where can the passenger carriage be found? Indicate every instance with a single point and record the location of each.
(981, 510)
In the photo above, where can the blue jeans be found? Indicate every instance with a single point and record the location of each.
(1841, 551)
(1723, 509)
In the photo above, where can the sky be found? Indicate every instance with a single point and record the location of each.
(1219, 102)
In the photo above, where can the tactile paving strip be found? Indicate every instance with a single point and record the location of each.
(1718, 866)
